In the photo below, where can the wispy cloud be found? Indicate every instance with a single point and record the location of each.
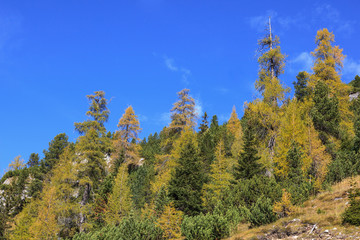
(303, 62)
(185, 73)
(321, 15)
(351, 67)
(165, 118)
(198, 108)
(222, 90)
(142, 118)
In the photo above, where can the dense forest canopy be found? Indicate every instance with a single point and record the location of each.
(196, 181)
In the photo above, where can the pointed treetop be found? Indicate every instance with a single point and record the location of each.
(234, 124)
(129, 125)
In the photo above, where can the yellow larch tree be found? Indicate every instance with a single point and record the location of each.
(17, 163)
(284, 208)
(119, 202)
(46, 224)
(128, 135)
(219, 178)
(170, 222)
(327, 67)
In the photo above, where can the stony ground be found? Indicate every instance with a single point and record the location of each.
(317, 218)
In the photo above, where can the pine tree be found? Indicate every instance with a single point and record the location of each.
(98, 111)
(187, 178)
(119, 201)
(183, 112)
(33, 160)
(301, 89)
(52, 155)
(91, 149)
(248, 165)
(128, 134)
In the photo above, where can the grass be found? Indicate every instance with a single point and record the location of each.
(324, 210)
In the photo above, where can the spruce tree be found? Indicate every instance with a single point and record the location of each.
(248, 165)
(187, 178)
(325, 113)
(204, 124)
(301, 89)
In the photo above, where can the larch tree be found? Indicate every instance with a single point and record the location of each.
(128, 135)
(327, 67)
(170, 222)
(119, 201)
(233, 124)
(17, 164)
(183, 112)
(267, 112)
(219, 178)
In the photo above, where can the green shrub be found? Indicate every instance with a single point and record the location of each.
(261, 212)
(352, 213)
(129, 229)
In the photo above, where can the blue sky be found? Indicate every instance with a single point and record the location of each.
(141, 53)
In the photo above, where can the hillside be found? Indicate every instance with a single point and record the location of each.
(317, 218)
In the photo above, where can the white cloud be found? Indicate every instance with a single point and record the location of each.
(351, 67)
(165, 118)
(170, 64)
(224, 117)
(260, 22)
(198, 108)
(303, 62)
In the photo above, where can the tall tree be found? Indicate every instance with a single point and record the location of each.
(183, 112)
(327, 67)
(271, 63)
(187, 178)
(91, 149)
(33, 160)
(248, 165)
(127, 136)
(98, 111)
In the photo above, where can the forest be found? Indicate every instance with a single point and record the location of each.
(194, 181)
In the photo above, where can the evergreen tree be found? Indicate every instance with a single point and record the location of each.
(248, 165)
(187, 178)
(301, 89)
(98, 111)
(183, 112)
(204, 124)
(325, 113)
(355, 84)
(91, 149)
(33, 160)
(56, 148)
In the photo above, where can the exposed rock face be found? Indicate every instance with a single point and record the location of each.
(354, 96)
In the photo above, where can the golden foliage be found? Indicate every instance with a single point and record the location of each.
(170, 222)
(17, 163)
(119, 202)
(284, 208)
